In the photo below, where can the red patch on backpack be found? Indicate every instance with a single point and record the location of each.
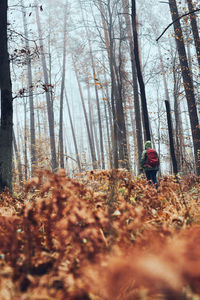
(152, 158)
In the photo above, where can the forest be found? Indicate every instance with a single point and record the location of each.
(88, 88)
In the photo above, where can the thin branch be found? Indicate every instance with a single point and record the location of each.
(189, 13)
(20, 34)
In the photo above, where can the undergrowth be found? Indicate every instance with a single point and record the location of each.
(105, 235)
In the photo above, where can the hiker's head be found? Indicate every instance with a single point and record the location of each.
(148, 145)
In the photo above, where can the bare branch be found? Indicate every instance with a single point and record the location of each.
(189, 13)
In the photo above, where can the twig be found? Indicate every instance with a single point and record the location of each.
(103, 237)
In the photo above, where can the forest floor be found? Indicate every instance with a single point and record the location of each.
(104, 235)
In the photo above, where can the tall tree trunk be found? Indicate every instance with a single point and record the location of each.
(73, 134)
(18, 160)
(62, 91)
(47, 88)
(188, 84)
(91, 114)
(91, 143)
(92, 123)
(99, 116)
(115, 129)
(109, 47)
(135, 83)
(195, 31)
(180, 145)
(96, 92)
(120, 139)
(139, 73)
(39, 124)
(6, 125)
(109, 116)
(25, 144)
(107, 136)
(30, 89)
(168, 101)
(171, 140)
(122, 136)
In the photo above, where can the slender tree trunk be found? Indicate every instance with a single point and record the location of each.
(91, 119)
(168, 101)
(195, 31)
(109, 47)
(91, 144)
(108, 134)
(6, 125)
(188, 84)
(115, 130)
(93, 131)
(73, 134)
(30, 89)
(25, 144)
(188, 51)
(62, 92)
(48, 97)
(120, 139)
(139, 73)
(38, 124)
(135, 83)
(99, 118)
(109, 116)
(180, 145)
(18, 160)
(171, 140)
(96, 93)
(122, 135)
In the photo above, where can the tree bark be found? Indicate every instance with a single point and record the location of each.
(30, 90)
(73, 134)
(61, 147)
(6, 126)
(195, 31)
(18, 160)
(171, 140)
(49, 102)
(108, 113)
(91, 143)
(119, 103)
(96, 92)
(25, 144)
(139, 73)
(188, 84)
(109, 48)
(91, 119)
(135, 83)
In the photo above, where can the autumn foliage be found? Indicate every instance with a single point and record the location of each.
(105, 235)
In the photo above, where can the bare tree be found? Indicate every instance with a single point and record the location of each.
(30, 89)
(47, 88)
(187, 82)
(139, 73)
(91, 142)
(96, 91)
(109, 13)
(138, 126)
(73, 134)
(61, 148)
(195, 31)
